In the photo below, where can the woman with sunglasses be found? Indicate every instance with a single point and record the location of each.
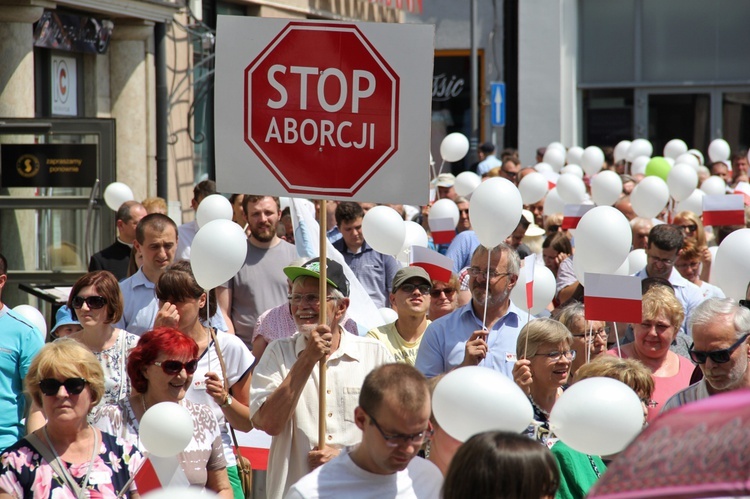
(688, 264)
(178, 287)
(662, 317)
(545, 355)
(693, 231)
(66, 381)
(161, 369)
(443, 297)
(96, 301)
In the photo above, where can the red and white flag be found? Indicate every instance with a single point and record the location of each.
(443, 230)
(572, 214)
(724, 209)
(615, 298)
(440, 267)
(528, 264)
(744, 189)
(160, 472)
(551, 179)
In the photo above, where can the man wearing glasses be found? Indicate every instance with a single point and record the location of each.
(720, 330)
(484, 331)
(284, 388)
(394, 416)
(664, 244)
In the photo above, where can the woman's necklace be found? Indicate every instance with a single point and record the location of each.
(64, 469)
(531, 398)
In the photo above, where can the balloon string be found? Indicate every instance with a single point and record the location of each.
(617, 340)
(526, 344)
(486, 290)
(590, 338)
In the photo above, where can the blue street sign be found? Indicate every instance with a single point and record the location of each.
(497, 103)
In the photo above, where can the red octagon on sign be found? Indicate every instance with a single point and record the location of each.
(321, 108)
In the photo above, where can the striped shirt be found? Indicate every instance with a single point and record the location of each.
(696, 391)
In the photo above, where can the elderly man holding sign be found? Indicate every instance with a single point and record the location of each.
(284, 392)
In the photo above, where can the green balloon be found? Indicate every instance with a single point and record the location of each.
(658, 167)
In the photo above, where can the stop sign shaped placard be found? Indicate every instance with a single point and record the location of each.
(321, 108)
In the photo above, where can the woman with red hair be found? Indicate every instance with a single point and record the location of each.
(161, 369)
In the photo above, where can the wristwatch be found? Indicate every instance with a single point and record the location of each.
(227, 401)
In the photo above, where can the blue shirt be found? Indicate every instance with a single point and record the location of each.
(488, 164)
(373, 269)
(461, 249)
(20, 343)
(444, 342)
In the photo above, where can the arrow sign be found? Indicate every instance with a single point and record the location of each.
(497, 91)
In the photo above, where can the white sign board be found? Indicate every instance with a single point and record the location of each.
(323, 110)
(64, 86)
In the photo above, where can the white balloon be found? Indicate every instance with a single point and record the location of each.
(218, 252)
(495, 210)
(571, 189)
(34, 316)
(682, 181)
(603, 240)
(442, 208)
(384, 230)
(454, 147)
(593, 160)
(166, 429)
(213, 207)
(731, 268)
(544, 289)
(671, 161)
(688, 159)
(556, 145)
(180, 493)
(572, 169)
(555, 157)
(699, 155)
(719, 150)
(649, 196)
(636, 261)
(415, 236)
(387, 315)
(532, 187)
(543, 167)
(638, 165)
(674, 148)
(621, 150)
(598, 416)
(466, 182)
(623, 269)
(606, 188)
(714, 186)
(553, 203)
(694, 203)
(476, 399)
(117, 193)
(574, 155)
(639, 147)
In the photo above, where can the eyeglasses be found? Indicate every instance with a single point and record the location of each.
(396, 440)
(465, 211)
(311, 298)
(665, 261)
(93, 302)
(449, 292)
(173, 367)
(557, 355)
(689, 228)
(602, 333)
(477, 272)
(717, 356)
(553, 228)
(50, 386)
(409, 288)
(650, 403)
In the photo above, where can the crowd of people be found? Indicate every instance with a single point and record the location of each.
(138, 329)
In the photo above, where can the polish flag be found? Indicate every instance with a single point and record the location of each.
(440, 267)
(615, 298)
(572, 214)
(443, 230)
(724, 209)
(528, 263)
(551, 179)
(255, 445)
(744, 189)
(160, 472)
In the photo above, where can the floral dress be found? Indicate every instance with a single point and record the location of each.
(24, 473)
(114, 362)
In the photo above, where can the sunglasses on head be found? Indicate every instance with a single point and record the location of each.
(93, 302)
(172, 367)
(717, 356)
(449, 292)
(50, 386)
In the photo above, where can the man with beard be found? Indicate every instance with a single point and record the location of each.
(284, 390)
(394, 416)
(484, 331)
(260, 283)
(720, 330)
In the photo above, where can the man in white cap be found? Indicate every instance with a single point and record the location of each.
(444, 184)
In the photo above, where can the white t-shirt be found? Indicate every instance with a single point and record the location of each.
(342, 478)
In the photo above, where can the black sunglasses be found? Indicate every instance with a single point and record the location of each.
(745, 303)
(172, 367)
(449, 292)
(93, 302)
(50, 386)
(717, 356)
(553, 228)
(409, 288)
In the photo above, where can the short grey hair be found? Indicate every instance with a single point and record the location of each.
(514, 262)
(708, 311)
(568, 314)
